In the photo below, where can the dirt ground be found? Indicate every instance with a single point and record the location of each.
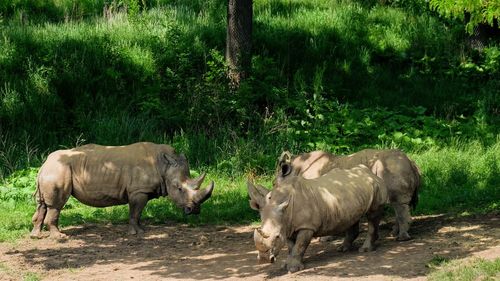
(173, 251)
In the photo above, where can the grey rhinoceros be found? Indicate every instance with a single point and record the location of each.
(400, 174)
(102, 176)
(298, 209)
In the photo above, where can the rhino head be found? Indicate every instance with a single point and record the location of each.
(271, 236)
(184, 191)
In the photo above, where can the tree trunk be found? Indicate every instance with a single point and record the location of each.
(239, 40)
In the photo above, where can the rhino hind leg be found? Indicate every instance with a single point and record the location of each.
(403, 220)
(137, 202)
(372, 233)
(52, 221)
(38, 218)
(350, 235)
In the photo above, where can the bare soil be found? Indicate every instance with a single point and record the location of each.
(174, 251)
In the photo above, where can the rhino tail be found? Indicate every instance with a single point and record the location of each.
(37, 195)
(41, 206)
(417, 174)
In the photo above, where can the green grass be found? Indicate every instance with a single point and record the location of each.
(464, 177)
(476, 269)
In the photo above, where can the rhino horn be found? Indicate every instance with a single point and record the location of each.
(196, 183)
(262, 190)
(202, 195)
(259, 230)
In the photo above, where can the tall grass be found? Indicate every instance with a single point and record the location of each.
(464, 177)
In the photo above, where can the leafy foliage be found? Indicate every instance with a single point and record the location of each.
(480, 11)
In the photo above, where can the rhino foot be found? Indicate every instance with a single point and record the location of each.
(58, 235)
(294, 265)
(404, 236)
(344, 248)
(365, 249)
(36, 235)
(135, 229)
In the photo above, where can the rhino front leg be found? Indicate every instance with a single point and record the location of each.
(403, 220)
(372, 234)
(350, 235)
(294, 260)
(137, 202)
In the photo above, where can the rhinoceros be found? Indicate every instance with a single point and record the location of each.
(400, 174)
(298, 209)
(102, 176)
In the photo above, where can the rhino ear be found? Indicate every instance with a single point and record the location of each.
(257, 199)
(170, 160)
(286, 157)
(286, 169)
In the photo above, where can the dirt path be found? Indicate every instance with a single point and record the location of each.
(105, 252)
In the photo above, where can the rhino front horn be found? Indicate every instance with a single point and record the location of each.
(259, 230)
(196, 183)
(202, 195)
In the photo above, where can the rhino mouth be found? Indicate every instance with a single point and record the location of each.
(266, 257)
(192, 210)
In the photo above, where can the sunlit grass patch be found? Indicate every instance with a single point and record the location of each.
(475, 269)
(464, 177)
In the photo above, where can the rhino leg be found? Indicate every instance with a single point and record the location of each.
(403, 220)
(294, 260)
(52, 221)
(350, 235)
(372, 234)
(137, 202)
(37, 220)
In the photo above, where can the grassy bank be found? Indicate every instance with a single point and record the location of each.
(337, 75)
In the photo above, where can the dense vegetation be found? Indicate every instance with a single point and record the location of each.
(334, 75)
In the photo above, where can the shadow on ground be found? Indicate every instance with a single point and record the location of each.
(217, 252)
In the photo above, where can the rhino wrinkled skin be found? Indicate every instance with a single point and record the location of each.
(298, 209)
(400, 174)
(102, 176)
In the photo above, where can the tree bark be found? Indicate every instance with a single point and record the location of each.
(239, 40)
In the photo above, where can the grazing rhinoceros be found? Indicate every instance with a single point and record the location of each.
(102, 176)
(399, 173)
(298, 209)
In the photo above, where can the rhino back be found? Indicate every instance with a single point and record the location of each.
(332, 203)
(105, 175)
(313, 164)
